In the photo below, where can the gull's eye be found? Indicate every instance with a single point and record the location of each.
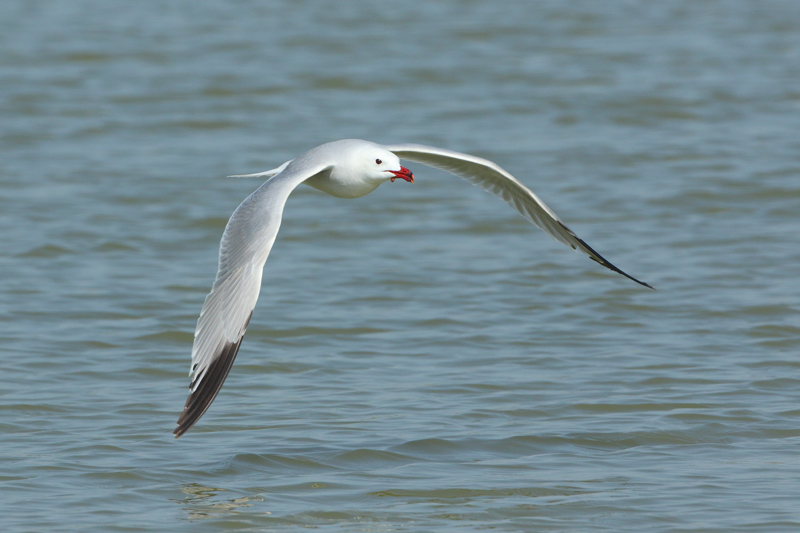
(378, 161)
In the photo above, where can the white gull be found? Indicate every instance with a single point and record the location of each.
(348, 168)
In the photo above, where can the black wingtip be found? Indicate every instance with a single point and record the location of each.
(594, 256)
(601, 260)
(199, 401)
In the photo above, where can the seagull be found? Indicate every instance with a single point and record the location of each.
(348, 168)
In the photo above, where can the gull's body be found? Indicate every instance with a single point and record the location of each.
(346, 169)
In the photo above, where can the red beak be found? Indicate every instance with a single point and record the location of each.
(403, 174)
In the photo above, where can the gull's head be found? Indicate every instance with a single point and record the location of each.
(359, 168)
(378, 164)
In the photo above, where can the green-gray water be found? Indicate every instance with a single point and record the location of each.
(421, 359)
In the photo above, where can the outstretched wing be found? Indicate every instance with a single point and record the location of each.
(490, 177)
(244, 249)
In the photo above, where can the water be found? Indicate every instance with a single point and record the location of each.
(421, 359)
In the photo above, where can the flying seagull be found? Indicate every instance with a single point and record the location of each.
(348, 168)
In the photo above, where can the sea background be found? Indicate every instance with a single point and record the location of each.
(421, 359)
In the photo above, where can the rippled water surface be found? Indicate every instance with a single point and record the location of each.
(421, 359)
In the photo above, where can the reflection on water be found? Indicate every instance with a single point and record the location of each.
(202, 502)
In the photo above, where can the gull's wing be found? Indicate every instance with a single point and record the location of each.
(490, 177)
(244, 249)
(265, 174)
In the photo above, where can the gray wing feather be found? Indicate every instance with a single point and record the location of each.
(245, 246)
(492, 178)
